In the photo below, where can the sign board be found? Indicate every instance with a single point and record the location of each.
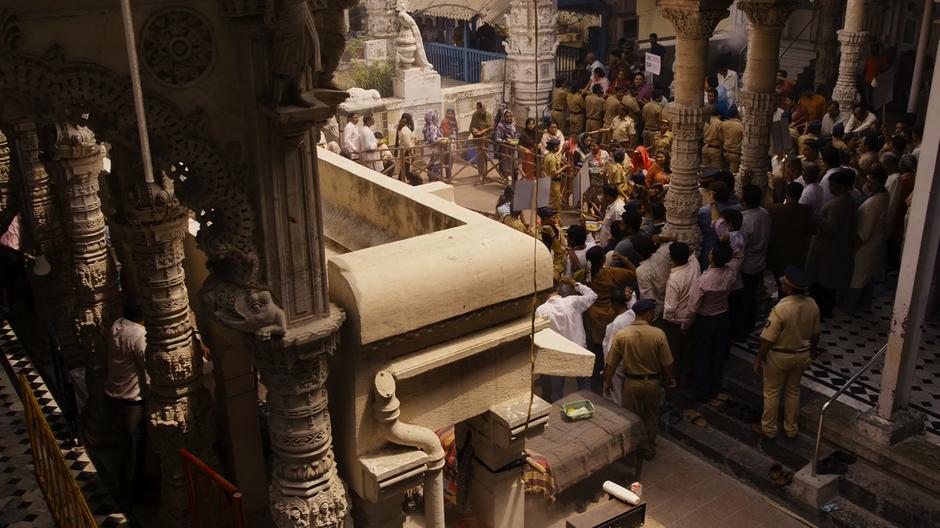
(654, 63)
(884, 88)
(522, 199)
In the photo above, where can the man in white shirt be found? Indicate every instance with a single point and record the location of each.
(619, 323)
(685, 270)
(351, 140)
(613, 212)
(860, 120)
(579, 241)
(813, 195)
(593, 62)
(729, 80)
(368, 145)
(832, 118)
(652, 276)
(565, 316)
(127, 343)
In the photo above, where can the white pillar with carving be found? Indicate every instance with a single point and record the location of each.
(853, 37)
(757, 100)
(694, 22)
(521, 53)
(380, 19)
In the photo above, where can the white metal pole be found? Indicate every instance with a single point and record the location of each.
(134, 67)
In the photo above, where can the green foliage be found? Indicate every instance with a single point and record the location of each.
(355, 48)
(377, 76)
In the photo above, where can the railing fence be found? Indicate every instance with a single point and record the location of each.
(462, 64)
(213, 501)
(64, 498)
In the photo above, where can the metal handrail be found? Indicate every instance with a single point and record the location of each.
(822, 413)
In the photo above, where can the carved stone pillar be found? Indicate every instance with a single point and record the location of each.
(380, 19)
(292, 342)
(827, 53)
(853, 37)
(42, 232)
(78, 162)
(178, 405)
(521, 53)
(757, 100)
(694, 22)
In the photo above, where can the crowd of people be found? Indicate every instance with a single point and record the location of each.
(654, 309)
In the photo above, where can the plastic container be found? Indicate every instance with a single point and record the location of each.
(578, 410)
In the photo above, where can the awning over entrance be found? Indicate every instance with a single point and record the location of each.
(489, 11)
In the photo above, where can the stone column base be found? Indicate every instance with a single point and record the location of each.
(906, 423)
(416, 86)
(386, 513)
(814, 491)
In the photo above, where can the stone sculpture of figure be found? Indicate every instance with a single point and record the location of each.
(296, 46)
(252, 311)
(409, 44)
(331, 27)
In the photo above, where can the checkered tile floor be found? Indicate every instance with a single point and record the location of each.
(22, 504)
(850, 341)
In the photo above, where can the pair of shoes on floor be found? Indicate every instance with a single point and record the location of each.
(695, 417)
(780, 476)
(837, 463)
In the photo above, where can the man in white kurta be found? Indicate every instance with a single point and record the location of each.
(615, 208)
(369, 145)
(565, 316)
(351, 136)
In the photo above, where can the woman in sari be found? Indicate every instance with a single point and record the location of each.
(529, 139)
(641, 163)
(507, 136)
(450, 131)
(660, 170)
(433, 140)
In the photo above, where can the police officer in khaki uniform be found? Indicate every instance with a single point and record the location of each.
(575, 111)
(652, 114)
(560, 105)
(732, 136)
(643, 352)
(711, 138)
(788, 345)
(594, 108)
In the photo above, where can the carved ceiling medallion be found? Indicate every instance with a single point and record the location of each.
(176, 46)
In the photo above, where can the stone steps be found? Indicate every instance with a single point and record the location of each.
(751, 466)
(729, 442)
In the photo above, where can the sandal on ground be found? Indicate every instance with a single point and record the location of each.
(780, 476)
(718, 404)
(695, 418)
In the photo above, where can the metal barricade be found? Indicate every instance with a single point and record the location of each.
(64, 498)
(213, 501)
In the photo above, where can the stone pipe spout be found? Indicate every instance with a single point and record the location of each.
(386, 412)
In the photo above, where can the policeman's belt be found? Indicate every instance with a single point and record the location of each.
(642, 376)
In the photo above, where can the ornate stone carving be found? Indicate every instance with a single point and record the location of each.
(683, 199)
(768, 14)
(409, 46)
(755, 160)
(243, 8)
(845, 91)
(206, 180)
(527, 50)
(78, 161)
(331, 27)
(693, 20)
(5, 213)
(296, 46)
(380, 19)
(178, 406)
(176, 46)
(249, 311)
(305, 489)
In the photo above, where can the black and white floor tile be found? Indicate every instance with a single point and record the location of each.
(21, 501)
(850, 341)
